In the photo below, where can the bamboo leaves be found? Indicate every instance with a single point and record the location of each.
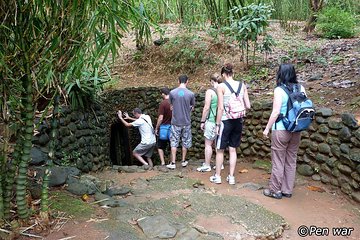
(47, 46)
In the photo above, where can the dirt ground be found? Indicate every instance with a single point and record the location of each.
(326, 207)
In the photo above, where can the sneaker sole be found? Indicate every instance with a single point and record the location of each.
(201, 170)
(230, 182)
(215, 182)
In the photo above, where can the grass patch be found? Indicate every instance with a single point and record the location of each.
(64, 202)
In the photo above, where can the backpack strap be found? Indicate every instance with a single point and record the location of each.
(290, 100)
(232, 90)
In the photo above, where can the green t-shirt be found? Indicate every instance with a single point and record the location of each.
(213, 108)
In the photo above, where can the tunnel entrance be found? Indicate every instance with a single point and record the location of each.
(120, 153)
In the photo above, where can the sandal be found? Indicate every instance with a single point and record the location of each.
(267, 192)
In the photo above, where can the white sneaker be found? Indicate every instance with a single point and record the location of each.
(215, 179)
(222, 167)
(204, 168)
(184, 163)
(171, 165)
(230, 179)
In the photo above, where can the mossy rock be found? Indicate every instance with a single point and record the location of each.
(262, 164)
(79, 209)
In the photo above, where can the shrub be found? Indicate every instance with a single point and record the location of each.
(336, 23)
(187, 53)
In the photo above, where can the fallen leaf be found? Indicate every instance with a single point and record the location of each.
(243, 170)
(132, 222)
(85, 197)
(186, 205)
(315, 189)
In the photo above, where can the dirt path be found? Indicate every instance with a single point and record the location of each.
(309, 208)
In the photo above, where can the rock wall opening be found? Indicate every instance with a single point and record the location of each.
(120, 153)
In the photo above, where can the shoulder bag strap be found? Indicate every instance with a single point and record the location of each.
(148, 123)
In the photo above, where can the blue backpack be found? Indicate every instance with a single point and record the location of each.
(300, 110)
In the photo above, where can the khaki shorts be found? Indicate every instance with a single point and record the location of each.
(210, 130)
(146, 150)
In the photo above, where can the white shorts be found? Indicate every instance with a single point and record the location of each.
(210, 130)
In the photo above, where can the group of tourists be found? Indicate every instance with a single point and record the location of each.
(222, 121)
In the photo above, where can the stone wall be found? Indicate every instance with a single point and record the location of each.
(329, 151)
(82, 140)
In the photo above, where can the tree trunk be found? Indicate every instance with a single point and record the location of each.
(316, 6)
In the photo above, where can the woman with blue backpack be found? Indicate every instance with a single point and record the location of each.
(292, 112)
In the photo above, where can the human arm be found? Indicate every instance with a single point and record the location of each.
(192, 102)
(275, 112)
(123, 120)
(128, 117)
(206, 108)
(220, 107)
(159, 121)
(246, 98)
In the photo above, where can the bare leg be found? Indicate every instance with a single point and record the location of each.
(161, 155)
(232, 160)
(150, 162)
(173, 154)
(184, 151)
(139, 157)
(208, 151)
(219, 161)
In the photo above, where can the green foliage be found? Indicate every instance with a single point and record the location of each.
(187, 12)
(337, 59)
(47, 46)
(302, 52)
(83, 91)
(191, 12)
(336, 23)
(248, 28)
(219, 11)
(288, 11)
(186, 53)
(351, 6)
(321, 60)
(142, 24)
(257, 74)
(266, 46)
(69, 159)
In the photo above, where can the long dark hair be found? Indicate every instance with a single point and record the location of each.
(286, 75)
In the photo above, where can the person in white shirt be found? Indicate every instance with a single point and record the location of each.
(148, 140)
